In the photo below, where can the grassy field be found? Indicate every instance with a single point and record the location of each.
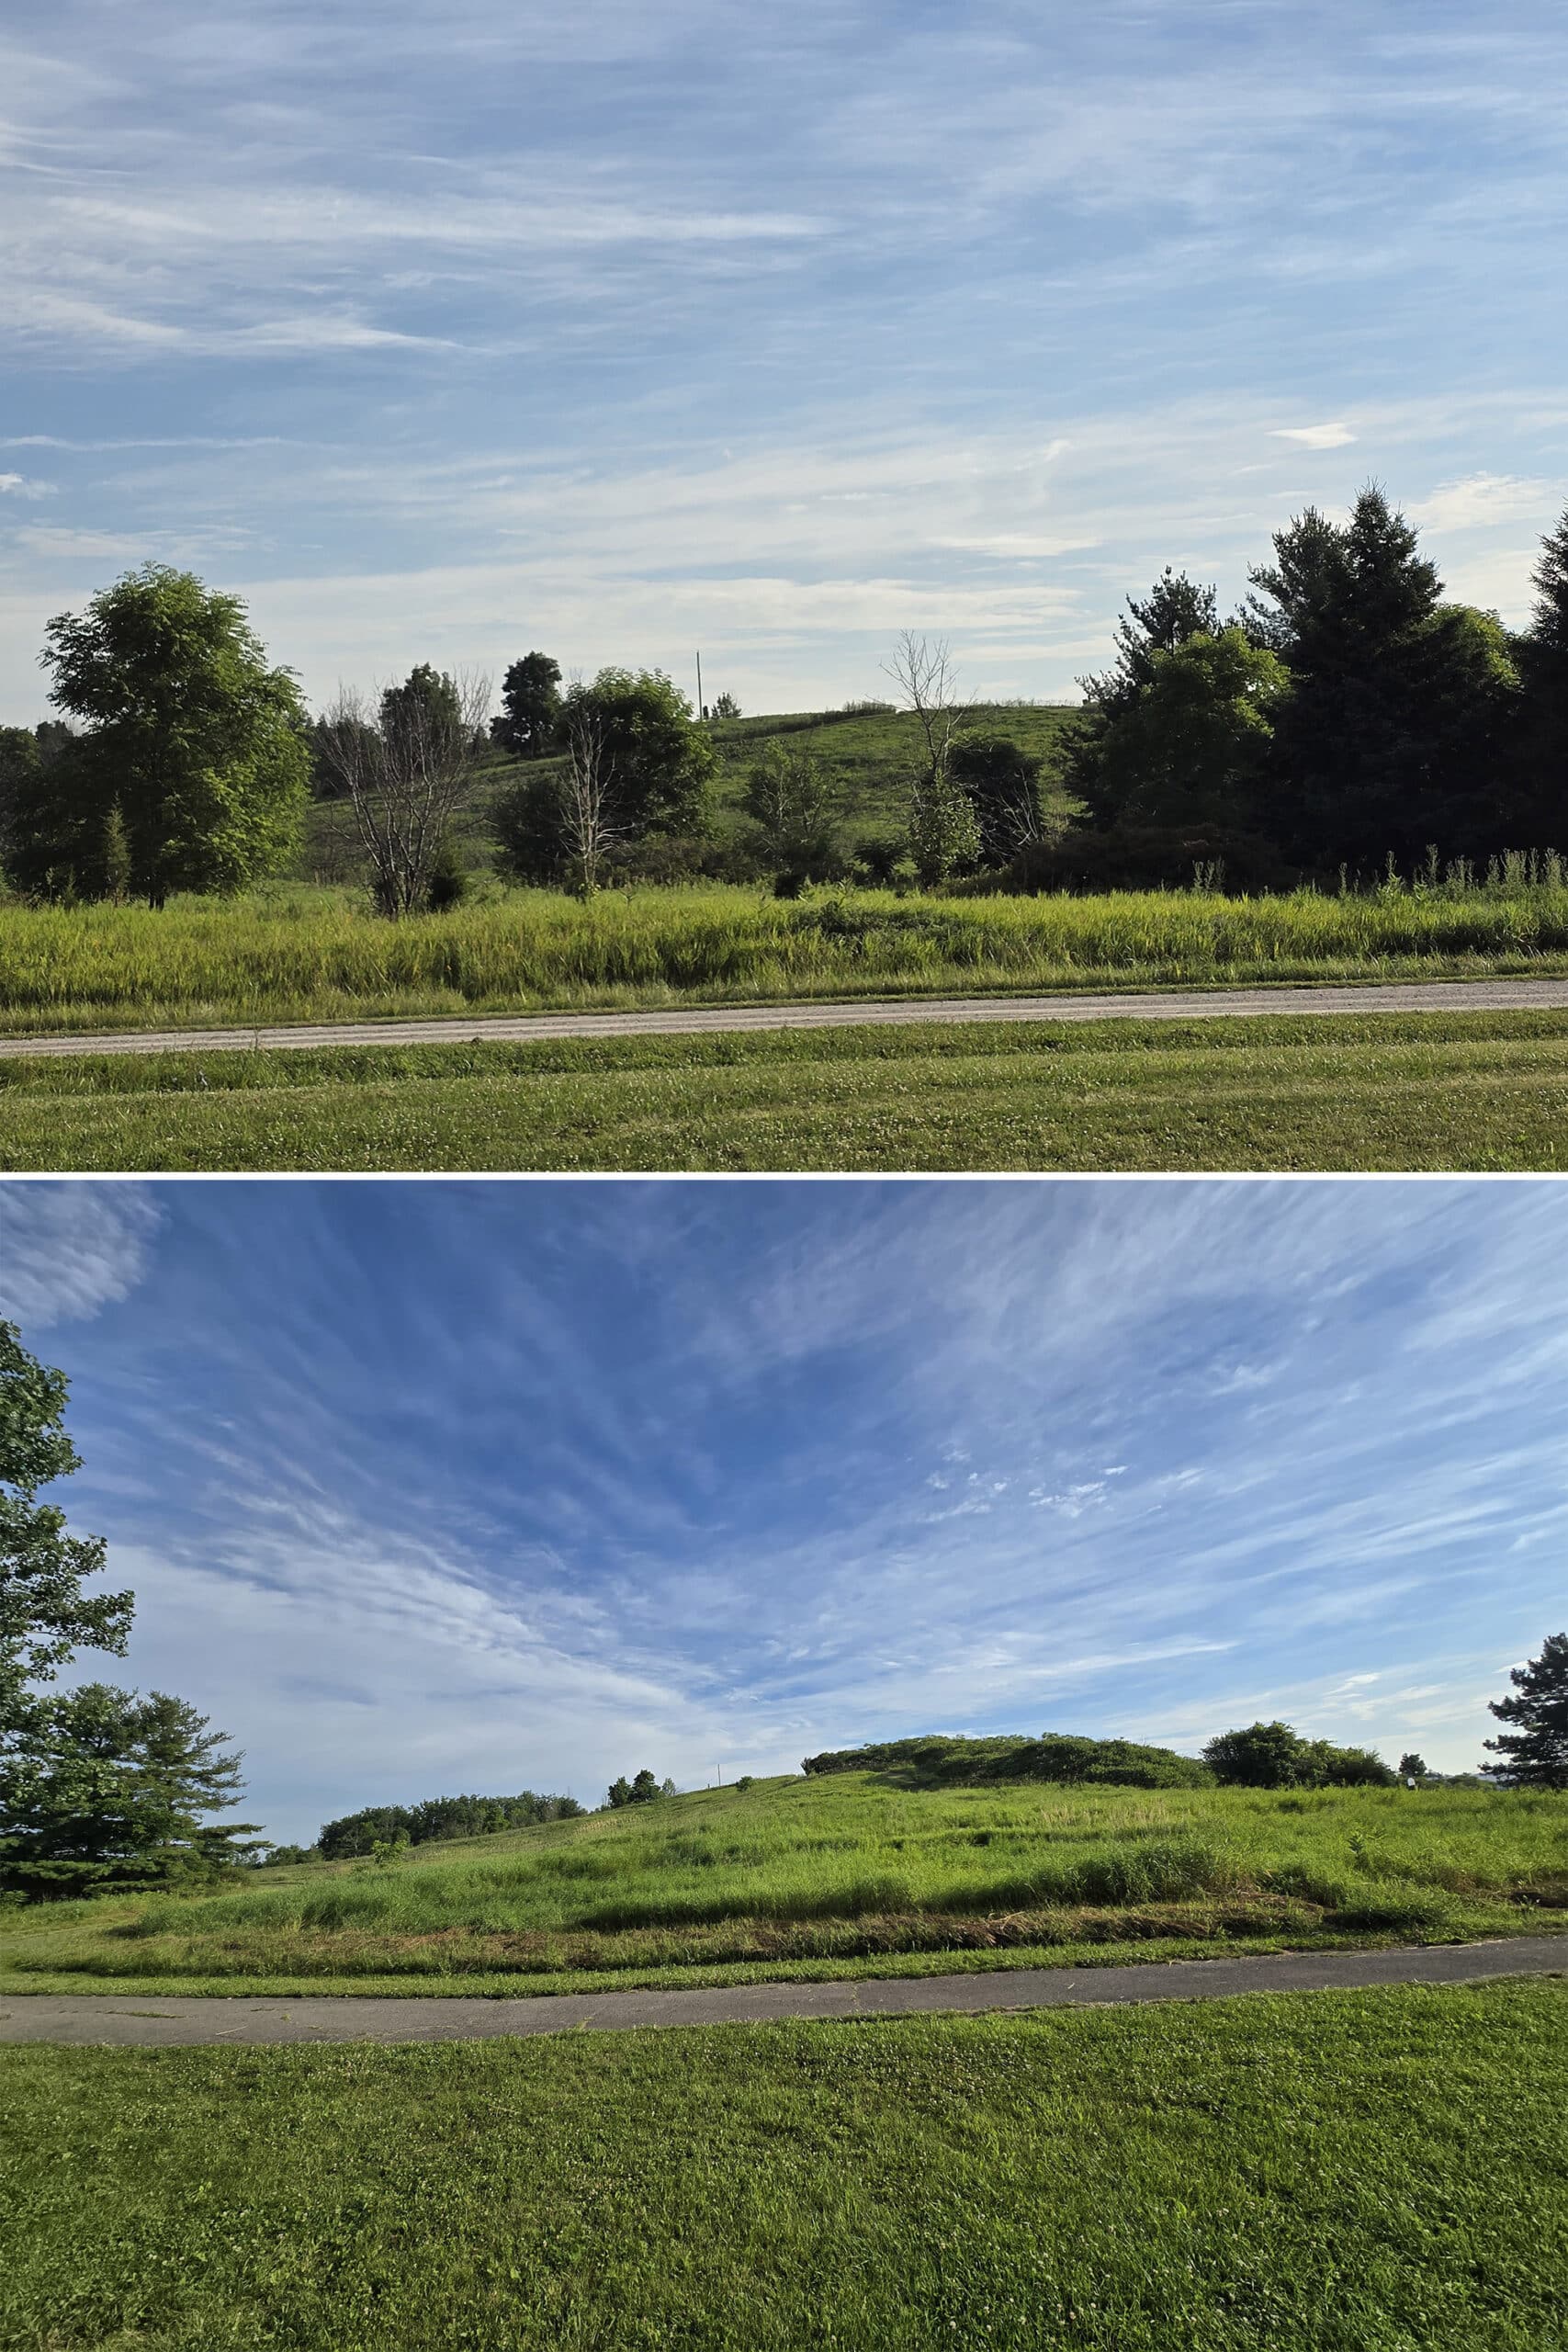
(1386, 1090)
(304, 955)
(835, 1871)
(867, 757)
(1381, 2172)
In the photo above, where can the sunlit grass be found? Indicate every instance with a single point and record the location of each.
(842, 1868)
(1384, 1091)
(305, 954)
(1370, 2172)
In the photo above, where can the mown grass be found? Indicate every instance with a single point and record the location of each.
(302, 955)
(1369, 2172)
(844, 1869)
(1384, 1091)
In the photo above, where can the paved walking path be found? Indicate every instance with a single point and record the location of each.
(693, 1021)
(151, 2020)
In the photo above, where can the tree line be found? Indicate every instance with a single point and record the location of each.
(1348, 715)
(1532, 1752)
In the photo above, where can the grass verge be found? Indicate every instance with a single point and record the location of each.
(1382, 2172)
(1379, 1090)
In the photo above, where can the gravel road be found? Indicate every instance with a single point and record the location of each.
(696, 1021)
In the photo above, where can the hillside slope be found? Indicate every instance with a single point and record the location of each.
(801, 1876)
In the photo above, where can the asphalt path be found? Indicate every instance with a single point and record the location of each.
(189, 2020)
(697, 1021)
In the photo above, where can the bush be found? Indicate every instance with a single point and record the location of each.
(938, 1760)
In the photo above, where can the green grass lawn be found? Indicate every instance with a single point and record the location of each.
(1367, 2172)
(837, 1874)
(1400, 1092)
(315, 955)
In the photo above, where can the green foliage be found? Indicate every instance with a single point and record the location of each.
(109, 1791)
(436, 1817)
(1002, 781)
(530, 706)
(446, 885)
(1175, 609)
(943, 837)
(645, 1789)
(1392, 731)
(1541, 772)
(1535, 1754)
(791, 806)
(426, 708)
(1069, 1760)
(1413, 1767)
(1275, 1756)
(651, 766)
(45, 1616)
(197, 741)
(1189, 747)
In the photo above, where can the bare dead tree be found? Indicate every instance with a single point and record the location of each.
(587, 800)
(405, 765)
(923, 670)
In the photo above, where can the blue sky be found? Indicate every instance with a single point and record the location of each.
(623, 330)
(427, 1487)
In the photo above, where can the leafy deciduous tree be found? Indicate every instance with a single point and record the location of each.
(45, 1615)
(196, 740)
(1189, 745)
(792, 806)
(530, 706)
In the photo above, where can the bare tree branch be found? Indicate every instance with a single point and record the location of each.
(405, 767)
(926, 674)
(587, 800)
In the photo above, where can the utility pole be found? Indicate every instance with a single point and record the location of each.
(700, 712)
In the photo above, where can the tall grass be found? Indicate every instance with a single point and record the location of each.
(819, 1857)
(316, 955)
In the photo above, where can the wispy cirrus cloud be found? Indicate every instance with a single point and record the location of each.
(67, 1250)
(531, 1476)
(507, 322)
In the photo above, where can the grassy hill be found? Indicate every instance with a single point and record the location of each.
(866, 755)
(839, 1874)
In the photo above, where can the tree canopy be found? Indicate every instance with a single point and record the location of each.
(1533, 1753)
(192, 741)
(529, 722)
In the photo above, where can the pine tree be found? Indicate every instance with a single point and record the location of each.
(1543, 715)
(1536, 1755)
(114, 1790)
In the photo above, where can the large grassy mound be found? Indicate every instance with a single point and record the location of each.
(837, 1872)
(1371, 2172)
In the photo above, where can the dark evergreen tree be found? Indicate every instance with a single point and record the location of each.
(114, 1790)
(1175, 609)
(1393, 734)
(1541, 759)
(1534, 1754)
(529, 722)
